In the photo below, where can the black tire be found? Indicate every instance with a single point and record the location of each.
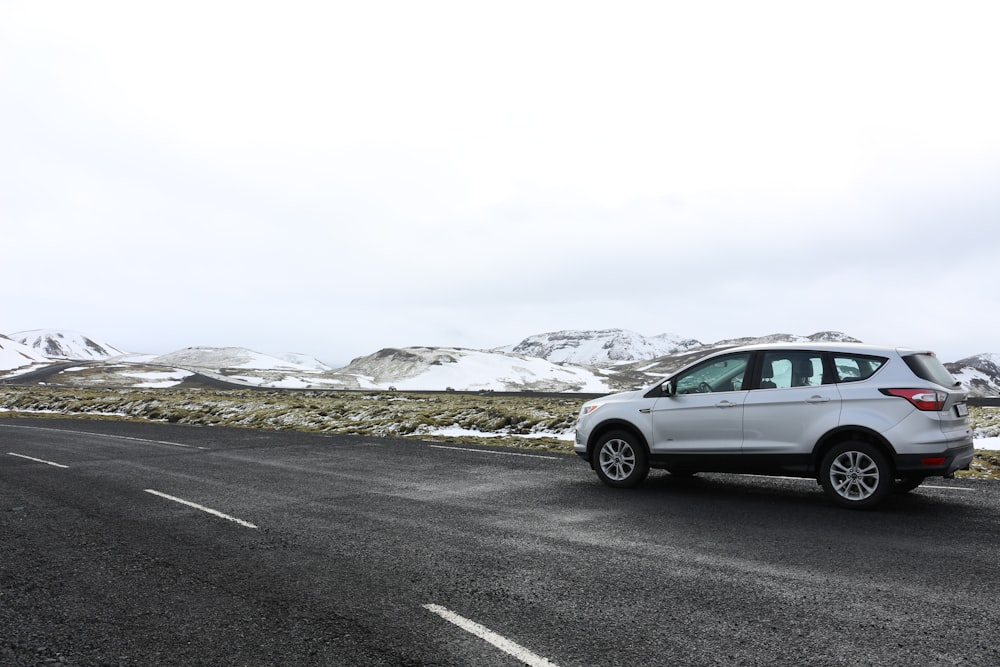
(620, 459)
(906, 484)
(856, 475)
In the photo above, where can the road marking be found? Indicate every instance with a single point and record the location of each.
(945, 488)
(103, 435)
(156, 442)
(809, 479)
(32, 458)
(247, 524)
(490, 451)
(507, 646)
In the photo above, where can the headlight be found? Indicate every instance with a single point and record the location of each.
(587, 409)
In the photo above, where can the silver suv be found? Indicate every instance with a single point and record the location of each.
(862, 420)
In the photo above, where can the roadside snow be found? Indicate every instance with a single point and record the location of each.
(459, 432)
(987, 443)
(158, 378)
(304, 381)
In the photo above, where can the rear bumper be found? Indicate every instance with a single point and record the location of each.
(935, 463)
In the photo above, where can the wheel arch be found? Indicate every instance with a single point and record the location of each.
(847, 433)
(613, 425)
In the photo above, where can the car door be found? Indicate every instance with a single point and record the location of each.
(703, 412)
(792, 406)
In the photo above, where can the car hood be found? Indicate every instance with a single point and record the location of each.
(619, 398)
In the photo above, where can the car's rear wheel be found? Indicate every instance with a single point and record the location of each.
(856, 475)
(620, 459)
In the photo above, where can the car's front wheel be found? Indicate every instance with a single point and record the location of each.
(856, 475)
(620, 459)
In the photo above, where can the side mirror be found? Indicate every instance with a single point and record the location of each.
(668, 388)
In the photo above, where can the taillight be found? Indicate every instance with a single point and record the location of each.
(922, 399)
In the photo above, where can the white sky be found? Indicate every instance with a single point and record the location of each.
(336, 177)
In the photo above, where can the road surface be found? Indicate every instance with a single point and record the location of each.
(150, 544)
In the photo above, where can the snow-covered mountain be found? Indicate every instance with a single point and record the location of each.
(598, 348)
(980, 374)
(564, 361)
(64, 344)
(468, 370)
(819, 337)
(636, 374)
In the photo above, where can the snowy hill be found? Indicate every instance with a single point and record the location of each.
(598, 348)
(468, 370)
(303, 361)
(63, 344)
(980, 374)
(218, 358)
(14, 355)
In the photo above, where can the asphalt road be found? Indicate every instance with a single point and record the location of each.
(135, 544)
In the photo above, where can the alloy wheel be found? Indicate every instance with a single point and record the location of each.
(854, 475)
(617, 459)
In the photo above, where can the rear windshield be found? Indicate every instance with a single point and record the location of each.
(928, 367)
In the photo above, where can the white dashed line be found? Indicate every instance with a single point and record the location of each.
(490, 451)
(32, 458)
(241, 522)
(507, 646)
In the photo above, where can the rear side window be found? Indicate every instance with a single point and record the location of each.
(855, 367)
(928, 367)
(782, 370)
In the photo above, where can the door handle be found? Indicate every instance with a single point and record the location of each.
(725, 404)
(818, 399)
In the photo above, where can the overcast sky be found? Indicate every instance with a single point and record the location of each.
(333, 178)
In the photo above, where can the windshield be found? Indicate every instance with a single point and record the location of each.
(928, 367)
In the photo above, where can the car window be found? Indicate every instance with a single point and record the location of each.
(783, 370)
(851, 368)
(723, 374)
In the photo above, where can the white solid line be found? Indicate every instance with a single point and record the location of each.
(490, 451)
(202, 508)
(507, 646)
(103, 435)
(157, 442)
(810, 479)
(32, 458)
